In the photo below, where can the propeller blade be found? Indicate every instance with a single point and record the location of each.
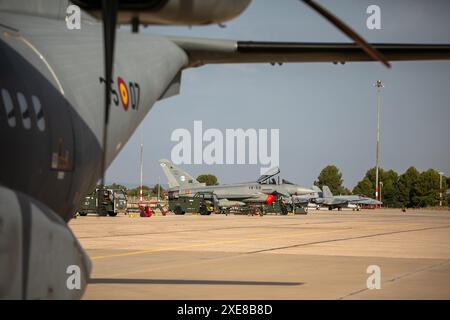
(109, 11)
(369, 49)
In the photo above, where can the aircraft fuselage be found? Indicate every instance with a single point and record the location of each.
(52, 98)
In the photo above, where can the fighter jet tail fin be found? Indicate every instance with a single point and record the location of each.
(327, 192)
(317, 192)
(177, 177)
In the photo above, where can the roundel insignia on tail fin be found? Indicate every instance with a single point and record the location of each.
(123, 91)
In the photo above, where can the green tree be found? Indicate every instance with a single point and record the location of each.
(209, 179)
(389, 190)
(406, 186)
(135, 191)
(445, 195)
(155, 191)
(346, 191)
(117, 186)
(330, 176)
(426, 190)
(365, 187)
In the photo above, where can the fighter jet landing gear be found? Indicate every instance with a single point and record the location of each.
(254, 211)
(284, 210)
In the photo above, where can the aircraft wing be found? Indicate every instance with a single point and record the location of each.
(335, 201)
(212, 51)
(367, 201)
(301, 200)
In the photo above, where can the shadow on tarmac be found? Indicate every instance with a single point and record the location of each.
(190, 282)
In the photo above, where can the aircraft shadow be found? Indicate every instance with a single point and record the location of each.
(186, 282)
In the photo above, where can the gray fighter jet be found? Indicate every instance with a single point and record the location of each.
(71, 99)
(326, 198)
(305, 200)
(258, 192)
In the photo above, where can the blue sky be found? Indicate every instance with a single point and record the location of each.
(326, 113)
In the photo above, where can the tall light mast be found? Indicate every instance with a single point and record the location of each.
(378, 84)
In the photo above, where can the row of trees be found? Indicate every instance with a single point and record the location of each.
(410, 189)
(147, 191)
(134, 192)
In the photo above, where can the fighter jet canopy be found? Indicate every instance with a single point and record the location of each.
(270, 173)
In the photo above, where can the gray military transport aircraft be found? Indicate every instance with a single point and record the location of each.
(257, 192)
(71, 99)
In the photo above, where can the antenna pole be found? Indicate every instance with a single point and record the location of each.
(141, 167)
(378, 85)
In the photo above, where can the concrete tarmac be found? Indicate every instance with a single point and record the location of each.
(322, 255)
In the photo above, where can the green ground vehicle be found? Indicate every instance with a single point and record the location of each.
(278, 206)
(204, 203)
(281, 207)
(104, 202)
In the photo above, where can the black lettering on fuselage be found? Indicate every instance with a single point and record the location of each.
(134, 92)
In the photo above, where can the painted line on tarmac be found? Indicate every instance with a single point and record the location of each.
(140, 252)
(284, 226)
(345, 239)
(393, 279)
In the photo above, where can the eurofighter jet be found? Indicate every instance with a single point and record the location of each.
(258, 192)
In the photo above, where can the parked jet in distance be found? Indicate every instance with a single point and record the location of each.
(306, 200)
(326, 198)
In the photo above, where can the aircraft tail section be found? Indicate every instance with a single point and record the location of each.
(177, 177)
(317, 192)
(327, 192)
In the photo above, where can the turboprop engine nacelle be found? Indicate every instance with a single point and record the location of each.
(170, 12)
(40, 258)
